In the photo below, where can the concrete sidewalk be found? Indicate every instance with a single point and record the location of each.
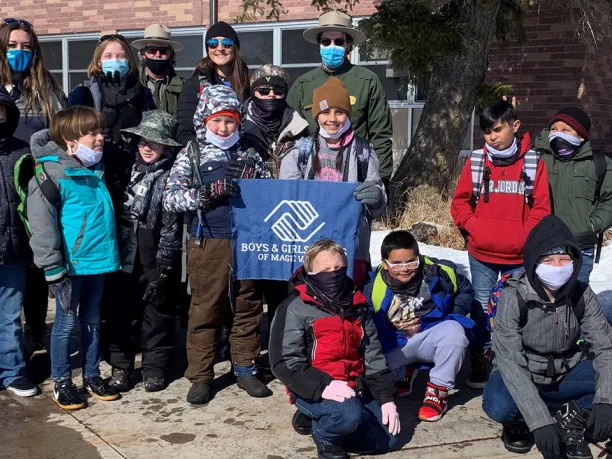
(142, 425)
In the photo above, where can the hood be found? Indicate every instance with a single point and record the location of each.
(542, 144)
(42, 145)
(215, 99)
(12, 114)
(299, 282)
(551, 232)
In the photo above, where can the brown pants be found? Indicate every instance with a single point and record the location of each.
(209, 266)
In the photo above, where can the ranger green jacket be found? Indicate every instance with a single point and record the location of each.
(168, 94)
(572, 191)
(371, 112)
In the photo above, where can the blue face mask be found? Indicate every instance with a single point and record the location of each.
(19, 59)
(332, 55)
(116, 65)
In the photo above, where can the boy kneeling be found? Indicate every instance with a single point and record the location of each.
(324, 348)
(538, 364)
(413, 298)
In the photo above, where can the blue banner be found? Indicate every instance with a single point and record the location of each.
(275, 221)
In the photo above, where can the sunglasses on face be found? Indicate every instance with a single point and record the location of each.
(399, 267)
(276, 90)
(337, 41)
(148, 143)
(163, 50)
(17, 20)
(213, 43)
(114, 35)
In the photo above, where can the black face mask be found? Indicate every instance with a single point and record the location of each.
(333, 288)
(562, 149)
(273, 108)
(157, 66)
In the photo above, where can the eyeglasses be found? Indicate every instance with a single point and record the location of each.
(398, 267)
(163, 50)
(110, 36)
(276, 90)
(148, 143)
(337, 41)
(17, 20)
(213, 43)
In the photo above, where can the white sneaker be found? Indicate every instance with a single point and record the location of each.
(23, 387)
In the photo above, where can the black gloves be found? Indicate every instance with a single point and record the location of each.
(548, 441)
(157, 283)
(211, 191)
(240, 169)
(599, 427)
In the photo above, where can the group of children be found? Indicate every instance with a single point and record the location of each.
(342, 354)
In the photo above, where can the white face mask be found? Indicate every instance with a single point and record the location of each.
(224, 143)
(554, 277)
(326, 135)
(88, 156)
(503, 154)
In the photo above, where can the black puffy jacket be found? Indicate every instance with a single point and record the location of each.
(14, 246)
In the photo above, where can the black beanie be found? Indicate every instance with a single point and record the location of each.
(223, 29)
(574, 117)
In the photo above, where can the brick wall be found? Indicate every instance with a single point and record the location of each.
(55, 16)
(556, 68)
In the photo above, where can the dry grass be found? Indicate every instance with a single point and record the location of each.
(426, 204)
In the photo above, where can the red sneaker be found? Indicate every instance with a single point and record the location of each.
(403, 387)
(435, 404)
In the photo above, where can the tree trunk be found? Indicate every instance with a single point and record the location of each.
(451, 94)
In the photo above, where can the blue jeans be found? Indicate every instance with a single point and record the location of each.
(588, 259)
(355, 424)
(578, 384)
(12, 286)
(87, 297)
(484, 277)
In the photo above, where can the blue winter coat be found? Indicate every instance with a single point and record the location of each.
(449, 291)
(80, 239)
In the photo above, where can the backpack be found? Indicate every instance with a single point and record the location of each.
(481, 175)
(306, 149)
(26, 168)
(577, 299)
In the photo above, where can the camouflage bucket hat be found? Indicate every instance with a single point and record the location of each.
(156, 126)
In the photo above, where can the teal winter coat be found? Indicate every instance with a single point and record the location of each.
(79, 238)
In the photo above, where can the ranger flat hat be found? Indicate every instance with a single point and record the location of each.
(157, 33)
(334, 21)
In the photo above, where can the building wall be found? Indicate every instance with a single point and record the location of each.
(555, 68)
(54, 16)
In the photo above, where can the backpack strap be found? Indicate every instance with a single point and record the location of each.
(47, 186)
(577, 300)
(600, 172)
(305, 150)
(362, 148)
(530, 169)
(523, 309)
(477, 161)
(193, 153)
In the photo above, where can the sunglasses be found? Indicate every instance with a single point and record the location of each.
(276, 90)
(399, 267)
(110, 36)
(337, 41)
(163, 50)
(213, 43)
(17, 20)
(148, 143)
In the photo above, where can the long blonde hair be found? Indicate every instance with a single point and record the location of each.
(94, 68)
(38, 84)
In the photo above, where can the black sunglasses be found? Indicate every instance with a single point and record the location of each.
(147, 143)
(337, 41)
(213, 43)
(278, 90)
(113, 35)
(17, 20)
(163, 50)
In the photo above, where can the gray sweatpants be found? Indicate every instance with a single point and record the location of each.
(443, 345)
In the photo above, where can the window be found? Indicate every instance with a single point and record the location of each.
(257, 48)
(296, 50)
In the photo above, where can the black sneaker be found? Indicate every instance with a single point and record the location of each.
(153, 384)
(571, 421)
(199, 394)
(301, 423)
(67, 396)
(481, 367)
(97, 388)
(329, 451)
(120, 380)
(516, 437)
(23, 387)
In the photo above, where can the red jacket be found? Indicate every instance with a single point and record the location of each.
(311, 345)
(497, 230)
